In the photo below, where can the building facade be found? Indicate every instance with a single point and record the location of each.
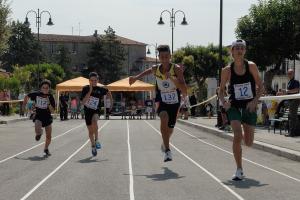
(79, 46)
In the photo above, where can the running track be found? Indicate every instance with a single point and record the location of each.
(130, 165)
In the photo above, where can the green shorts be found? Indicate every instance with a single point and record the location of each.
(242, 115)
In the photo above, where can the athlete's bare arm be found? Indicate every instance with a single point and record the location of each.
(179, 81)
(25, 102)
(111, 99)
(132, 79)
(87, 96)
(258, 82)
(225, 77)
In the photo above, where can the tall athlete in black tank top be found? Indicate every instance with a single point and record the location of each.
(243, 78)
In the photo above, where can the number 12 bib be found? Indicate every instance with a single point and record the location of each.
(41, 102)
(243, 91)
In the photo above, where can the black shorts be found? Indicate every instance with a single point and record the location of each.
(89, 116)
(172, 110)
(46, 120)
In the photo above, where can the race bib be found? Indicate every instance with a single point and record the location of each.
(170, 97)
(243, 91)
(92, 103)
(41, 102)
(148, 110)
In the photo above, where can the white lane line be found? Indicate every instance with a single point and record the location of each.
(201, 167)
(58, 136)
(56, 169)
(250, 161)
(131, 189)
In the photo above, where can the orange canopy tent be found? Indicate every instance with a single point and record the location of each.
(123, 85)
(72, 85)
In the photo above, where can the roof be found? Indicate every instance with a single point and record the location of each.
(82, 39)
(123, 85)
(150, 59)
(73, 85)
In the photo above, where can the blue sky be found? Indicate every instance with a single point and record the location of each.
(137, 19)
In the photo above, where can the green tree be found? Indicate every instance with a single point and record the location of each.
(106, 57)
(200, 62)
(4, 27)
(63, 59)
(23, 47)
(52, 72)
(23, 76)
(97, 57)
(12, 84)
(272, 31)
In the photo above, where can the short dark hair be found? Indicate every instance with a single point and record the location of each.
(47, 82)
(163, 48)
(93, 74)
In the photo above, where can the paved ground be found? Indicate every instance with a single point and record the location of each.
(130, 165)
(261, 134)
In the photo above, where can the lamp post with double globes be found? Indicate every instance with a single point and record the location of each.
(172, 21)
(38, 22)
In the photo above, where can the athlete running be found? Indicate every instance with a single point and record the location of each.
(44, 104)
(169, 84)
(245, 88)
(91, 97)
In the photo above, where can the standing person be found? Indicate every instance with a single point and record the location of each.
(91, 97)
(149, 107)
(243, 78)
(44, 105)
(63, 107)
(108, 106)
(6, 104)
(169, 83)
(123, 108)
(74, 107)
(293, 88)
(193, 101)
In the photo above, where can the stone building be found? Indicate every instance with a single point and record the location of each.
(79, 46)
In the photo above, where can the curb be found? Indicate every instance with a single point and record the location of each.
(13, 120)
(280, 151)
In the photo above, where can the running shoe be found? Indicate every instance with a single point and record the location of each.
(46, 151)
(168, 155)
(38, 137)
(239, 175)
(98, 145)
(94, 151)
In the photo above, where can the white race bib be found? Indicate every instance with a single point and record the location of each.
(148, 110)
(41, 102)
(92, 103)
(243, 91)
(169, 97)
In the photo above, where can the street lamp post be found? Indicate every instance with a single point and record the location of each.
(220, 39)
(172, 21)
(38, 22)
(156, 51)
(220, 58)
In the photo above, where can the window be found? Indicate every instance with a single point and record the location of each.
(74, 48)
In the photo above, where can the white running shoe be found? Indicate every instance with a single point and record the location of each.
(239, 175)
(168, 156)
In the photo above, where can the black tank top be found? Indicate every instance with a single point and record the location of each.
(241, 87)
